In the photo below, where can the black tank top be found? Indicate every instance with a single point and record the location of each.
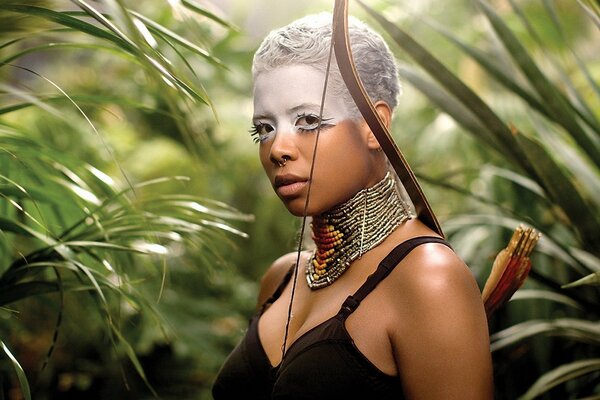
(324, 363)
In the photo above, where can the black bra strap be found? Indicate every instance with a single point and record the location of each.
(279, 290)
(386, 266)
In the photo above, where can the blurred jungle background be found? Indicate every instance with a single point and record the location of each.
(135, 221)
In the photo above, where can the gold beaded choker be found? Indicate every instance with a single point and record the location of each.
(349, 230)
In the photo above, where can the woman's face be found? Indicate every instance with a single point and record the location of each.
(286, 115)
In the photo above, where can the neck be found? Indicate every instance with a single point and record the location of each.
(349, 230)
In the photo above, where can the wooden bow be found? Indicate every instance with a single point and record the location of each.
(512, 264)
(343, 55)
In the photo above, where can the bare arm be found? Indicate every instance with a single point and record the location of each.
(442, 344)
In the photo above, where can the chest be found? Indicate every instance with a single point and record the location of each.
(367, 326)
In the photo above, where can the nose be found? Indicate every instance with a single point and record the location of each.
(283, 148)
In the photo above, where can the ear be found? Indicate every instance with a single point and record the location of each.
(385, 114)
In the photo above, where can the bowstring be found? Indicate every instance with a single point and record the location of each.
(306, 202)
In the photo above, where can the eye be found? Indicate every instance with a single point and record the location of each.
(310, 122)
(261, 132)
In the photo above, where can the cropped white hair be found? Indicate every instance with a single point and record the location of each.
(306, 41)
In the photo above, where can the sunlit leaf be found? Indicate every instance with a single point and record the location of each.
(560, 375)
(194, 6)
(172, 36)
(66, 20)
(19, 370)
(554, 99)
(568, 328)
(562, 190)
(502, 136)
(591, 279)
(496, 71)
(547, 295)
(592, 9)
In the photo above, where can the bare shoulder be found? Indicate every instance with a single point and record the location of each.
(433, 290)
(274, 275)
(439, 316)
(433, 270)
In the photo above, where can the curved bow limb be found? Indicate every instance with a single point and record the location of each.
(343, 55)
(512, 264)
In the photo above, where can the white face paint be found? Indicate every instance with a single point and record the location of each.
(288, 100)
(286, 118)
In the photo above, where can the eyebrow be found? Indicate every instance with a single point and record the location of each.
(293, 110)
(304, 106)
(261, 116)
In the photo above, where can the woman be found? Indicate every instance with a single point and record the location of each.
(383, 308)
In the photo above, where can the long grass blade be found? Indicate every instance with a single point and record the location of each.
(563, 192)
(66, 45)
(591, 279)
(195, 7)
(447, 103)
(554, 99)
(503, 137)
(570, 328)
(586, 175)
(592, 9)
(560, 375)
(15, 292)
(498, 72)
(581, 108)
(552, 246)
(19, 370)
(546, 295)
(68, 21)
(172, 36)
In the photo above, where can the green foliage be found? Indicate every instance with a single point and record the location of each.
(548, 157)
(99, 225)
(117, 272)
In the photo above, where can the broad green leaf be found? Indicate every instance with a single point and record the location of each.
(447, 104)
(579, 105)
(502, 135)
(586, 174)
(551, 8)
(554, 100)
(498, 72)
(514, 177)
(562, 191)
(560, 375)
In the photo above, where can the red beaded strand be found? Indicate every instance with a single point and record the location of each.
(326, 237)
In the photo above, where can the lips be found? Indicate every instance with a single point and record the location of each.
(289, 185)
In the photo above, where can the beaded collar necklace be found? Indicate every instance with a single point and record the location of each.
(349, 230)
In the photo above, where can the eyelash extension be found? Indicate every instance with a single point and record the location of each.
(304, 115)
(254, 133)
(255, 128)
(322, 125)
